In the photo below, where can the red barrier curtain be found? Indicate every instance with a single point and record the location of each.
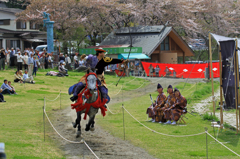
(182, 70)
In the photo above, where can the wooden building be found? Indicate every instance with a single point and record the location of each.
(161, 44)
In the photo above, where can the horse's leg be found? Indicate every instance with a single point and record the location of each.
(76, 121)
(91, 120)
(92, 112)
(92, 125)
(79, 125)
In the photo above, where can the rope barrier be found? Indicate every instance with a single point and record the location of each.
(118, 91)
(90, 149)
(223, 145)
(74, 142)
(159, 132)
(55, 98)
(112, 112)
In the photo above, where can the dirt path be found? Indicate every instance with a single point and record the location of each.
(102, 143)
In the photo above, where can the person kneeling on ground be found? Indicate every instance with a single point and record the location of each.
(153, 112)
(6, 89)
(61, 69)
(178, 108)
(9, 84)
(27, 79)
(17, 77)
(1, 96)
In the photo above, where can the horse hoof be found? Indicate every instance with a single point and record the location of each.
(92, 129)
(78, 134)
(87, 129)
(74, 125)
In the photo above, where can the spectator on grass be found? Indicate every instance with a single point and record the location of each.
(75, 58)
(2, 59)
(61, 58)
(27, 78)
(1, 96)
(17, 77)
(67, 61)
(61, 69)
(30, 64)
(6, 89)
(9, 84)
(41, 60)
(46, 61)
(8, 57)
(35, 66)
(12, 55)
(25, 61)
(19, 60)
(50, 59)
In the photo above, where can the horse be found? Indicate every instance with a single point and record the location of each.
(88, 102)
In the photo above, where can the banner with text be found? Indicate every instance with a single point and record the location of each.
(181, 70)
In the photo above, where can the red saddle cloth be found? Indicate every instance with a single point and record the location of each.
(97, 104)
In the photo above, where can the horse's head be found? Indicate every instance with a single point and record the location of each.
(91, 83)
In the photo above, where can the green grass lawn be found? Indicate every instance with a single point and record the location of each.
(21, 126)
(161, 146)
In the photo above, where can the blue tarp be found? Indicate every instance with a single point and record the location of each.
(133, 56)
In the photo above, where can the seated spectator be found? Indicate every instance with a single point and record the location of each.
(169, 102)
(28, 79)
(6, 89)
(153, 110)
(178, 108)
(17, 77)
(9, 84)
(61, 69)
(1, 96)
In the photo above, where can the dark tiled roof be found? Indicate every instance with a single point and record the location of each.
(147, 37)
(21, 32)
(11, 10)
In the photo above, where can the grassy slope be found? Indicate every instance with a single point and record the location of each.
(170, 147)
(21, 126)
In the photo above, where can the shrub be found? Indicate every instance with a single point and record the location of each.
(207, 116)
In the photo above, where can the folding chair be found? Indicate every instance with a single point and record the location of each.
(181, 120)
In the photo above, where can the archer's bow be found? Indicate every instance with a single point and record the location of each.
(128, 53)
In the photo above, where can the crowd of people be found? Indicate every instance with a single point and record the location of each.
(167, 110)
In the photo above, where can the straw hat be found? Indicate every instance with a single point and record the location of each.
(100, 50)
(83, 56)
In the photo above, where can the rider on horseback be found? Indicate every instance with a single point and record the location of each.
(98, 62)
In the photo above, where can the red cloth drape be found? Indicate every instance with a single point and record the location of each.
(183, 70)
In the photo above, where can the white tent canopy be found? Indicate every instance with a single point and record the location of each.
(223, 38)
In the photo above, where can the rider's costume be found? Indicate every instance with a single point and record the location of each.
(99, 65)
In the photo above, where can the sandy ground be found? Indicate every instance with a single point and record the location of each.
(101, 142)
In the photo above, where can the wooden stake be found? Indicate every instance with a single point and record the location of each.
(221, 98)
(210, 54)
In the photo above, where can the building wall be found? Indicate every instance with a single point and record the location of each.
(13, 23)
(13, 26)
(167, 56)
